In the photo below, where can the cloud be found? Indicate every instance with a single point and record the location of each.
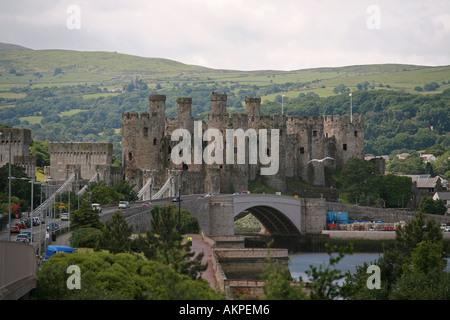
(240, 34)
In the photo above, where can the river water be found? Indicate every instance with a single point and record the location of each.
(299, 263)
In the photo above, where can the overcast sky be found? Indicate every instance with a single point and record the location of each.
(239, 34)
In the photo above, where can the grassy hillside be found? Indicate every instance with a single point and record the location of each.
(37, 68)
(59, 95)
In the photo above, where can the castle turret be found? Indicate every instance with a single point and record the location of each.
(185, 119)
(218, 103)
(349, 136)
(252, 106)
(157, 114)
(157, 131)
(20, 143)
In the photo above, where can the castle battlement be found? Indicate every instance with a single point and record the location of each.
(357, 119)
(157, 97)
(133, 116)
(80, 147)
(146, 141)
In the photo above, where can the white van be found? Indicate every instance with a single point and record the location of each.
(65, 216)
(96, 206)
(124, 205)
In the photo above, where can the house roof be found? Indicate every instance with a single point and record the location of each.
(443, 195)
(424, 180)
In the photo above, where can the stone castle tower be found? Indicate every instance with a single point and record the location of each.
(20, 149)
(147, 146)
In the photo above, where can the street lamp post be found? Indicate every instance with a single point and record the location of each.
(351, 108)
(32, 221)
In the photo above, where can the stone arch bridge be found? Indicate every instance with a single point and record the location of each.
(280, 215)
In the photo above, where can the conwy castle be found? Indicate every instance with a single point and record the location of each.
(147, 148)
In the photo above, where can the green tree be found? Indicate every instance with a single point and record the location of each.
(427, 255)
(40, 150)
(126, 190)
(425, 278)
(57, 71)
(85, 237)
(116, 234)
(164, 243)
(396, 190)
(340, 89)
(85, 217)
(416, 242)
(361, 179)
(429, 169)
(278, 283)
(410, 165)
(20, 187)
(104, 195)
(122, 276)
(433, 285)
(428, 205)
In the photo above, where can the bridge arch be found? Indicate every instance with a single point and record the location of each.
(280, 215)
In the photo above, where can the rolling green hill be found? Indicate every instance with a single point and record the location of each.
(20, 68)
(60, 95)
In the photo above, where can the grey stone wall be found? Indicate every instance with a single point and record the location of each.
(85, 155)
(20, 149)
(313, 215)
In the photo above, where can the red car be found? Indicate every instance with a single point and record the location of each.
(15, 229)
(21, 225)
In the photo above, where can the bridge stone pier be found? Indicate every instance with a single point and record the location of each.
(280, 215)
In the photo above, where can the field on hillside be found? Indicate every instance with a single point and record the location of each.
(81, 96)
(48, 68)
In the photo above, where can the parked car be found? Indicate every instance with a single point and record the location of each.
(29, 235)
(26, 221)
(23, 238)
(124, 205)
(14, 229)
(209, 195)
(201, 196)
(21, 225)
(147, 203)
(65, 216)
(245, 192)
(96, 206)
(52, 226)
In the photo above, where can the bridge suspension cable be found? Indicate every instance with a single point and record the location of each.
(82, 190)
(48, 202)
(162, 190)
(145, 188)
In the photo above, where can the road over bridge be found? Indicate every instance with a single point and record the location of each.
(280, 215)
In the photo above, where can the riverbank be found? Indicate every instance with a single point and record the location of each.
(363, 241)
